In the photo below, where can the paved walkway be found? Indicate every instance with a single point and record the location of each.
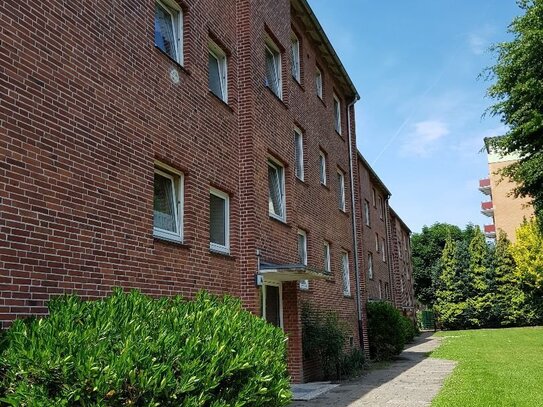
(412, 380)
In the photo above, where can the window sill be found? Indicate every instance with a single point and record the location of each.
(172, 242)
(339, 135)
(325, 186)
(218, 253)
(221, 102)
(349, 296)
(277, 98)
(345, 213)
(299, 83)
(321, 100)
(301, 181)
(177, 64)
(280, 221)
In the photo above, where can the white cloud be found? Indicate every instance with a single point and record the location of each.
(479, 41)
(425, 137)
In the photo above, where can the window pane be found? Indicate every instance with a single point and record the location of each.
(318, 83)
(215, 84)
(302, 255)
(326, 257)
(337, 123)
(299, 151)
(346, 277)
(272, 71)
(164, 207)
(217, 220)
(273, 305)
(275, 189)
(322, 159)
(165, 37)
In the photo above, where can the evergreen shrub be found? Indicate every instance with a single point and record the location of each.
(385, 330)
(133, 350)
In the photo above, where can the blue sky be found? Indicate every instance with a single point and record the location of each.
(420, 119)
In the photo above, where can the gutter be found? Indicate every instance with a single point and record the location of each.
(353, 216)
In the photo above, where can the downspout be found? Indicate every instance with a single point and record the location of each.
(355, 239)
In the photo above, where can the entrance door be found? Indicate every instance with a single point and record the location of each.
(272, 303)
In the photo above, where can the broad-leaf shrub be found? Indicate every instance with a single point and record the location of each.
(409, 329)
(385, 330)
(132, 350)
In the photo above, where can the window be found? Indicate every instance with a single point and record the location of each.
(373, 201)
(219, 221)
(370, 266)
(380, 289)
(367, 212)
(318, 82)
(345, 274)
(302, 247)
(299, 151)
(169, 29)
(322, 167)
(337, 114)
(168, 204)
(383, 249)
(295, 54)
(387, 290)
(217, 72)
(273, 69)
(377, 242)
(302, 255)
(381, 208)
(276, 186)
(327, 262)
(341, 190)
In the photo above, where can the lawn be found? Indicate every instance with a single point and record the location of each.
(496, 367)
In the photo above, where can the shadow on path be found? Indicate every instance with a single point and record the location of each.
(412, 379)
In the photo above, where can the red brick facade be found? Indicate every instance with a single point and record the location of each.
(90, 106)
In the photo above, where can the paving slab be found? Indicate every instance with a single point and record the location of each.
(412, 380)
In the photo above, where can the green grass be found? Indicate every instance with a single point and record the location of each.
(496, 367)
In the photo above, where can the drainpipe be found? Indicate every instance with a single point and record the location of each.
(355, 239)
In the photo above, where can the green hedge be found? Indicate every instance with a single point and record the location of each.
(386, 330)
(132, 350)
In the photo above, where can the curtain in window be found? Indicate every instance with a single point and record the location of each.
(164, 204)
(295, 54)
(345, 269)
(272, 73)
(215, 83)
(299, 155)
(318, 84)
(164, 31)
(217, 220)
(276, 200)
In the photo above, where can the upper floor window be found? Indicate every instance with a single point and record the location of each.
(318, 82)
(376, 242)
(337, 114)
(276, 187)
(273, 68)
(219, 221)
(370, 266)
(381, 207)
(299, 153)
(383, 249)
(327, 262)
(217, 66)
(373, 201)
(302, 256)
(345, 274)
(295, 56)
(367, 212)
(322, 167)
(169, 29)
(341, 189)
(168, 203)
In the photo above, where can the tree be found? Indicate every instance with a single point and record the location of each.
(528, 255)
(518, 91)
(427, 247)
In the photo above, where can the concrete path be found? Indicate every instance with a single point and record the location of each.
(410, 381)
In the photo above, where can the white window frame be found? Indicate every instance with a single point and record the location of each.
(381, 207)
(275, 284)
(341, 190)
(370, 266)
(337, 114)
(278, 167)
(327, 258)
(222, 62)
(322, 168)
(376, 242)
(215, 246)
(271, 48)
(367, 221)
(172, 7)
(318, 83)
(299, 158)
(303, 284)
(346, 275)
(177, 181)
(383, 250)
(295, 55)
(373, 200)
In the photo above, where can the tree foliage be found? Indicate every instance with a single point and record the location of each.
(518, 91)
(528, 254)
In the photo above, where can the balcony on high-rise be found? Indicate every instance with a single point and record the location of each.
(487, 208)
(490, 231)
(484, 186)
